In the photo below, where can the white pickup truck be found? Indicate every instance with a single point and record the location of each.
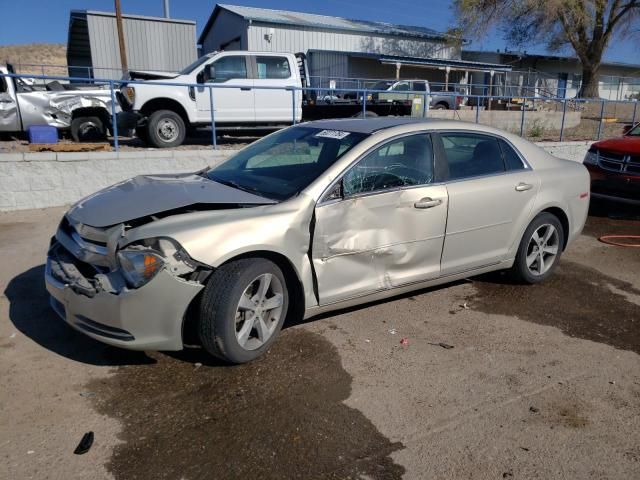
(85, 111)
(162, 114)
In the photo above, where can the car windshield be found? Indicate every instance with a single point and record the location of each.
(285, 163)
(190, 68)
(635, 131)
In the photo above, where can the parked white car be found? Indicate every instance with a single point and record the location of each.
(312, 218)
(161, 114)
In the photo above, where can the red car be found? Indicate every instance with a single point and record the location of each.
(614, 166)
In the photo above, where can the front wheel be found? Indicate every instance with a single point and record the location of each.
(166, 129)
(539, 250)
(242, 309)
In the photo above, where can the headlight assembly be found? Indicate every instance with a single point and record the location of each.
(130, 94)
(591, 158)
(139, 266)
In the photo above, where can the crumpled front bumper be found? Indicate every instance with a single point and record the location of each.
(148, 318)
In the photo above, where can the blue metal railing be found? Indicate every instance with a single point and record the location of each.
(297, 100)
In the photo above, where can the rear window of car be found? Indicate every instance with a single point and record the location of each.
(273, 67)
(511, 158)
(471, 155)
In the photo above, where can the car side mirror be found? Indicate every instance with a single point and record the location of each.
(200, 77)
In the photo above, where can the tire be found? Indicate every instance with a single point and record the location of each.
(88, 129)
(143, 134)
(441, 106)
(166, 129)
(528, 271)
(223, 323)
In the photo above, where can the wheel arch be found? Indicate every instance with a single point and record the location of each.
(292, 279)
(99, 112)
(164, 103)
(560, 214)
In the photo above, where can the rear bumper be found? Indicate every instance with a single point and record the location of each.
(147, 318)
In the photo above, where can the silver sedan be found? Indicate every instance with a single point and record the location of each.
(313, 218)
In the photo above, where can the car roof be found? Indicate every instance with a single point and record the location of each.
(365, 125)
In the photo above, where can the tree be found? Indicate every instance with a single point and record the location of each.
(586, 25)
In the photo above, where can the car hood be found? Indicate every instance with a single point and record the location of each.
(629, 145)
(153, 194)
(151, 75)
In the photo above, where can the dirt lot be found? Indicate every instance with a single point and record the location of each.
(543, 382)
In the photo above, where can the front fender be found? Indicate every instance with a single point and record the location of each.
(215, 237)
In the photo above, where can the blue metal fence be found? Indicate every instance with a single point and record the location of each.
(482, 102)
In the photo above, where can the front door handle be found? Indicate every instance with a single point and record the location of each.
(523, 187)
(427, 202)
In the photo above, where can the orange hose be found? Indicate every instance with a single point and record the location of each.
(613, 240)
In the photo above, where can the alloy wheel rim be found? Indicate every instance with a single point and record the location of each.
(259, 311)
(542, 249)
(168, 130)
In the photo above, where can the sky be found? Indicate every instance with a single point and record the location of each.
(46, 21)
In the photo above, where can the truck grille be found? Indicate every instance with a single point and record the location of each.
(629, 164)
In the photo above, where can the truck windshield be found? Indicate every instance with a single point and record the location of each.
(635, 131)
(285, 163)
(190, 68)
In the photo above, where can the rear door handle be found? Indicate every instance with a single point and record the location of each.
(523, 187)
(245, 89)
(427, 202)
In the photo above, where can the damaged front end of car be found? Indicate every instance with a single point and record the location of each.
(129, 294)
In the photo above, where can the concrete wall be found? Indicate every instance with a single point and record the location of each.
(40, 180)
(510, 120)
(47, 179)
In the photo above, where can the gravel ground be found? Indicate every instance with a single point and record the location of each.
(543, 382)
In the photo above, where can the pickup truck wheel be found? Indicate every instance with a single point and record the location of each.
(242, 309)
(440, 106)
(87, 129)
(166, 129)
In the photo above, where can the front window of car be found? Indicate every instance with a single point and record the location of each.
(283, 164)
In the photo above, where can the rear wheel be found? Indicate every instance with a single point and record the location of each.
(87, 129)
(539, 251)
(242, 310)
(166, 129)
(440, 106)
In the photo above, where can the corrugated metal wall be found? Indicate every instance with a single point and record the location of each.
(228, 27)
(151, 44)
(328, 64)
(301, 39)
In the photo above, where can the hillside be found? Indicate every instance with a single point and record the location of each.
(38, 54)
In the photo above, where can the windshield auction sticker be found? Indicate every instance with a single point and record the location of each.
(337, 134)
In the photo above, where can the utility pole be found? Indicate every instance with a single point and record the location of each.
(166, 9)
(123, 52)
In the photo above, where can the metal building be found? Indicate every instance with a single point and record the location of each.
(341, 51)
(152, 43)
